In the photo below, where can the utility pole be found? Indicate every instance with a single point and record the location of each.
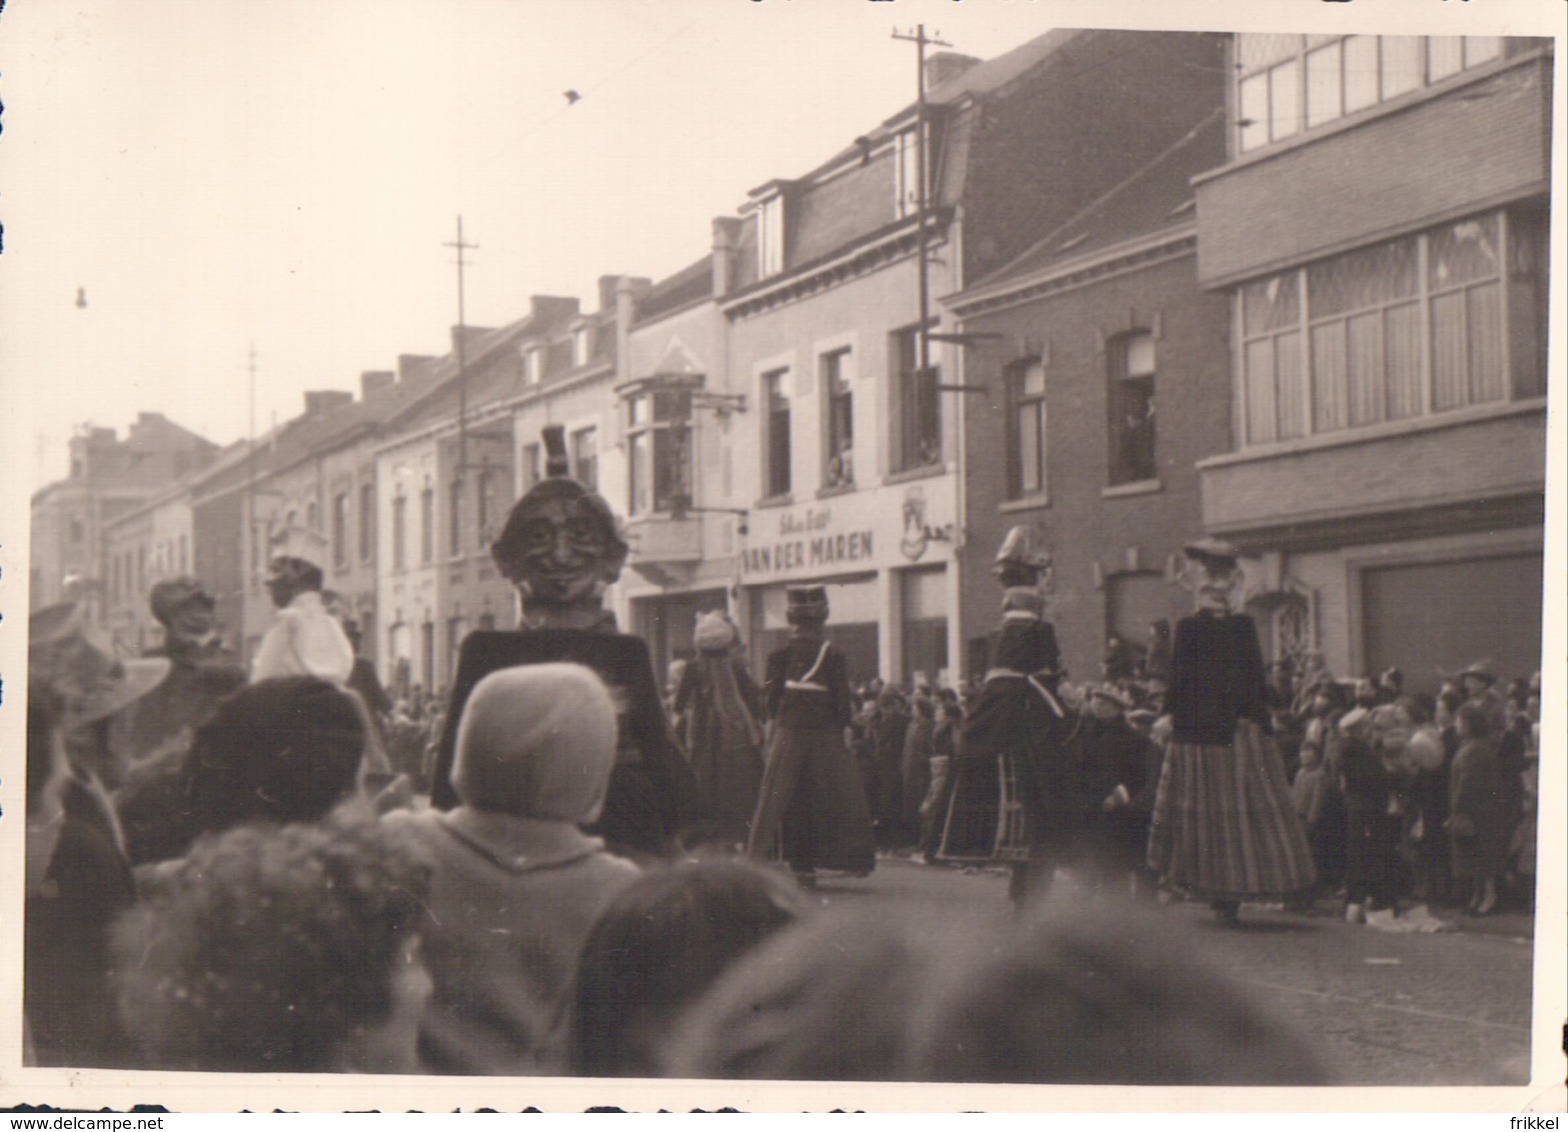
(922, 204)
(462, 362)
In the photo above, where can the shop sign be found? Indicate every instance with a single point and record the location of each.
(807, 541)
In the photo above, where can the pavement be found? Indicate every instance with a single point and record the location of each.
(1437, 999)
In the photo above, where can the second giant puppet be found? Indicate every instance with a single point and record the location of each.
(561, 549)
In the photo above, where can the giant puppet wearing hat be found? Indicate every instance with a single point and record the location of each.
(305, 640)
(1224, 826)
(1011, 797)
(202, 671)
(825, 822)
(561, 548)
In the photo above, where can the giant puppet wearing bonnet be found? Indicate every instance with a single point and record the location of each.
(562, 548)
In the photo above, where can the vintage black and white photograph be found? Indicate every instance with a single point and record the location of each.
(600, 552)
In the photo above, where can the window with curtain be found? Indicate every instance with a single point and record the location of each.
(776, 439)
(1026, 434)
(917, 406)
(656, 437)
(1442, 320)
(585, 457)
(1131, 404)
(839, 413)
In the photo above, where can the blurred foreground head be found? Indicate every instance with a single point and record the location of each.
(291, 949)
(1053, 999)
(657, 947)
(281, 750)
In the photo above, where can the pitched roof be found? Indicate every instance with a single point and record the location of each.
(1158, 196)
(688, 285)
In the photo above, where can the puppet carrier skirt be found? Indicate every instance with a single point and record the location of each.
(986, 818)
(1224, 825)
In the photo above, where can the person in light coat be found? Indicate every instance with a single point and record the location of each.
(306, 639)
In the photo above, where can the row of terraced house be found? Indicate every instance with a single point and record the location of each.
(1286, 289)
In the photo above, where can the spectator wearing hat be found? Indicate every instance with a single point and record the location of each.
(516, 885)
(1477, 824)
(725, 729)
(1224, 826)
(811, 804)
(202, 671)
(305, 639)
(77, 882)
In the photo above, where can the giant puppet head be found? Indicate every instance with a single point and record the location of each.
(561, 547)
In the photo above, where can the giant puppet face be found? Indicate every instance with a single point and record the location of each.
(561, 550)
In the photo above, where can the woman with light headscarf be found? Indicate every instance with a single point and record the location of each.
(725, 733)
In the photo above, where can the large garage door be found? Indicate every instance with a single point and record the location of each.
(1445, 615)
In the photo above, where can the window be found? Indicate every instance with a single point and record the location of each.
(585, 457)
(775, 441)
(840, 417)
(1131, 408)
(770, 236)
(399, 531)
(917, 431)
(367, 521)
(484, 508)
(657, 435)
(906, 174)
(340, 529)
(427, 653)
(1287, 83)
(312, 516)
(427, 525)
(455, 517)
(533, 364)
(580, 345)
(1413, 326)
(1026, 440)
(530, 465)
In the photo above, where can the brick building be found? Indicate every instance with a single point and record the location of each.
(1380, 232)
(1106, 378)
(109, 478)
(851, 455)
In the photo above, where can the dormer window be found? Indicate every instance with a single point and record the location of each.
(533, 364)
(770, 236)
(580, 346)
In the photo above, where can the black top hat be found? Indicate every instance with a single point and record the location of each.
(806, 603)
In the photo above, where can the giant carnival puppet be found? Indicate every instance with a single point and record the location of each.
(1224, 828)
(1012, 795)
(561, 548)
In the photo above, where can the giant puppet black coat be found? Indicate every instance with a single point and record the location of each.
(653, 794)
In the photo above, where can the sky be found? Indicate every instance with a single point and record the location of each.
(221, 174)
(215, 176)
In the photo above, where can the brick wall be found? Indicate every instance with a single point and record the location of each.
(1082, 526)
(1046, 147)
(1480, 144)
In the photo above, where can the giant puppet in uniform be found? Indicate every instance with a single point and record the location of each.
(1014, 796)
(1224, 827)
(561, 549)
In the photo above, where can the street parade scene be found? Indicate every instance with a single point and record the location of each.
(1013, 609)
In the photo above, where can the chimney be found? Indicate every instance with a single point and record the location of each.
(629, 290)
(726, 234)
(319, 401)
(552, 309)
(375, 381)
(470, 336)
(608, 285)
(414, 367)
(945, 65)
